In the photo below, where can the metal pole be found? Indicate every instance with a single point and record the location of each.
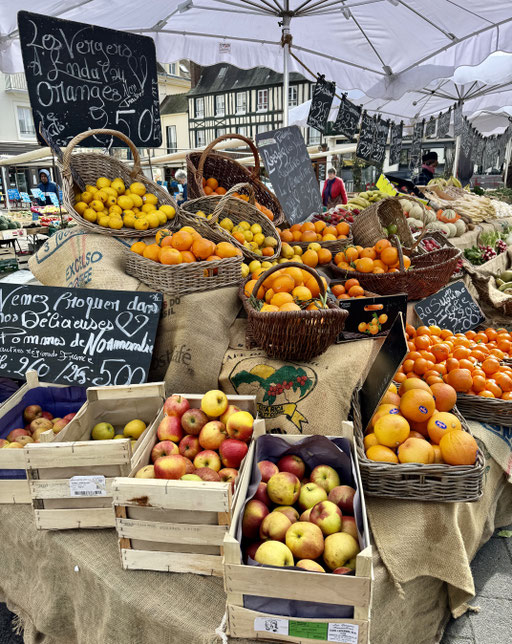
(286, 60)
(455, 168)
(5, 183)
(508, 150)
(150, 166)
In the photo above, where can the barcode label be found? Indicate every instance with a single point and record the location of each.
(88, 486)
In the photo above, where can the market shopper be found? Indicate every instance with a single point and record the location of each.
(428, 169)
(46, 186)
(334, 190)
(181, 177)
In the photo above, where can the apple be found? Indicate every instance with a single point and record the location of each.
(193, 421)
(212, 435)
(176, 405)
(207, 474)
(287, 510)
(23, 440)
(191, 468)
(32, 412)
(36, 434)
(283, 488)
(251, 550)
(207, 458)
(146, 472)
(191, 477)
(343, 496)
(274, 526)
(170, 467)
(325, 476)
(214, 403)
(343, 570)
(47, 415)
(135, 428)
(309, 564)
(254, 513)
(261, 494)
(305, 515)
(351, 563)
(232, 409)
(293, 464)
(3, 442)
(274, 553)
(327, 516)
(339, 548)
(310, 495)
(170, 429)
(267, 470)
(189, 446)
(42, 423)
(12, 436)
(349, 526)
(240, 425)
(58, 425)
(305, 540)
(164, 448)
(69, 417)
(13, 446)
(228, 474)
(102, 431)
(232, 452)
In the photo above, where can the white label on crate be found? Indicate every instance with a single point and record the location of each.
(346, 633)
(88, 486)
(271, 625)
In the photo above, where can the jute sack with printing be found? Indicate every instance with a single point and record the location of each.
(496, 442)
(496, 305)
(297, 397)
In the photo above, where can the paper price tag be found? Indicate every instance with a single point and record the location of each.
(346, 633)
(88, 486)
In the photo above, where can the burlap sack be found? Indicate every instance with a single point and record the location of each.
(497, 306)
(293, 397)
(496, 442)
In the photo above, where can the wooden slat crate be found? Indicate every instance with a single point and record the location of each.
(177, 526)
(51, 467)
(15, 490)
(266, 582)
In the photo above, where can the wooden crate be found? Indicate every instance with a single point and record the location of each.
(17, 490)
(177, 526)
(51, 467)
(266, 582)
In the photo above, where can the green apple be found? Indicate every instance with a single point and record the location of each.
(339, 548)
(102, 432)
(134, 429)
(274, 553)
(311, 494)
(190, 477)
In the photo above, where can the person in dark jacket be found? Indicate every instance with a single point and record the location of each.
(46, 186)
(428, 169)
(181, 177)
(334, 190)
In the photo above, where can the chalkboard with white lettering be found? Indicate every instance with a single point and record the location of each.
(347, 119)
(379, 141)
(451, 308)
(457, 120)
(430, 128)
(417, 136)
(82, 77)
(395, 143)
(443, 124)
(364, 149)
(289, 167)
(75, 336)
(323, 94)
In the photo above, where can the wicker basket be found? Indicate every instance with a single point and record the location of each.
(428, 274)
(368, 224)
(184, 278)
(229, 172)
(93, 165)
(237, 210)
(485, 410)
(417, 482)
(293, 335)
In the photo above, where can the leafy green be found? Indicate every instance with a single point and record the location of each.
(505, 533)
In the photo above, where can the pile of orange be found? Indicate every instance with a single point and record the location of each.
(184, 246)
(211, 187)
(471, 362)
(381, 258)
(317, 231)
(351, 288)
(415, 425)
(313, 256)
(288, 289)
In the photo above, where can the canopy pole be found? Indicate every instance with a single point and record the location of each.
(5, 183)
(286, 37)
(508, 150)
(455, 168)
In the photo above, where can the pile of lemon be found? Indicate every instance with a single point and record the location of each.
(251, 236)
(111, 205)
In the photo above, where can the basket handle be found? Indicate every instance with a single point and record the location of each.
(66, 159)
(396, 240)
(226, 137)
(221, 204)
(422, 234)
(278, 267)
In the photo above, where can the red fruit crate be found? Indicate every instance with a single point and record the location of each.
(177, 526)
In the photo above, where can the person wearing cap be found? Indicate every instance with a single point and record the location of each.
(428, 169)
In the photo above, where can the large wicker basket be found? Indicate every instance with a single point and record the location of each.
(485, 410)
(92, 165)
(235, 209)
(293, 335)
(368, 225)
(229, 172)
(417, 482)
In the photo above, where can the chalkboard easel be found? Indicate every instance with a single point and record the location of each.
(451, 308)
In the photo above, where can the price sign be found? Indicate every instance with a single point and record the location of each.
(430, 128)
(365, 142)
(53, 198)
(75, 336)
(13, 194)
(417, 136)
(38, 194)
(451, 308)
(323, 94)
(457, 120)
(395, 143)
(347, 119)
(380, 140)
(25, 197)
(443, 124)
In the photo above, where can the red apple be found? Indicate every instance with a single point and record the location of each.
(254, 513)
(207, 458)
(349, 526)
(212, 435)
(274, 526)
(293, 464)
(58, 425)
(176, 405)
(239, 425)
(305, 540)
(193, 421)
(3, 442)
(267, 470)
(40, 423)
(69, 417)
(289, 511)
(228, 474)
(46, 414)
(327, 516)
(189, 446)
(207, 474)
(191, 468)
(232, 409)
(12, 436)
(251, 550)
(343, 496)
(261, 494)
(164, 448)
(32, 412)
(309, 564)
(283, 489)
(232, 452)
(325, 476)
(170, 467)
(343, 570)
(170, 429)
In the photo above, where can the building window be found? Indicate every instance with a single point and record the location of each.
(241, 103)
(199, 108)
(220, 105)
(200, 138)
(220, 131)
(293, 97)
(262, 128)
(242, 129)
(26, 122)
(173, 69)
(172, 143)
(262, 103)
(314, 136)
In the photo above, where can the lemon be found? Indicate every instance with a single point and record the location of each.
(101, 195)
(81, 207)
(226, 223)
(259, 238)
(296, 249)
(139, 214)
(255, 229)
(162, 217)
(141, 224)
(124, 202)
(253, 246)
(257, 251)
(148, 207)
(266, 265)
(287, 251)
(111, 201)
(118, 436)
(236, 229)
(111, 191)
(153, 220)
(129, 220)
(118, 184)
(254, 265)
(297, 258)
(137, 201)
(137, 188)
(87, 197)
(245, 270)
(104, 220)
(103, 182)
(114, 210)
(244, 225)
(188, 229)
(314, 246)
(116, 223)
(92, 189)
(169, 210)
(127, 193)
(135, 209)
(150, 198)
(97, 205)
(200, 213)
(90, 215)
(248, 235)
(283, 260)
(272, 242)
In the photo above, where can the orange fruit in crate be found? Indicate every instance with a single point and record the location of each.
(308, 236)
(343, 228)
(445, 396)
(220, 190)
(202, 248)
(281, 298)
(413, 383)
(460, 379)
(440, 424)
(212, 183)
(249, 288)
(355, 291)
(310, 258)
(339, 257)
(338, 289)
(381, 454)
(416, 450)
(324, 256)
(364, 265)
(296, 274)
(368, 252)
(391, 430)
(370, 440)
(417, 405)
(351, 254)
(283, 284)
(319, 226)
(302, 293)
(152, 251)
(138, 247)
(225, 250)
(458, 448)
(187, 257)
(182, 240)
(381, 245)
(170, 256)
(208, 191)
(389, 256)
(269, 308)
(290, 306)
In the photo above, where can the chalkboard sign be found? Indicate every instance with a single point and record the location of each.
(83, 77)
(290, 170)
(457, 120)
(451, 308)
(323, 94)
(364, 149)
(77, 336)
(443, 124)
(380, 140)
(430, 128)
(465, 138)
(417, 136)
(395, 143)
(384, 367)
(347, 119)
(13, 194)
